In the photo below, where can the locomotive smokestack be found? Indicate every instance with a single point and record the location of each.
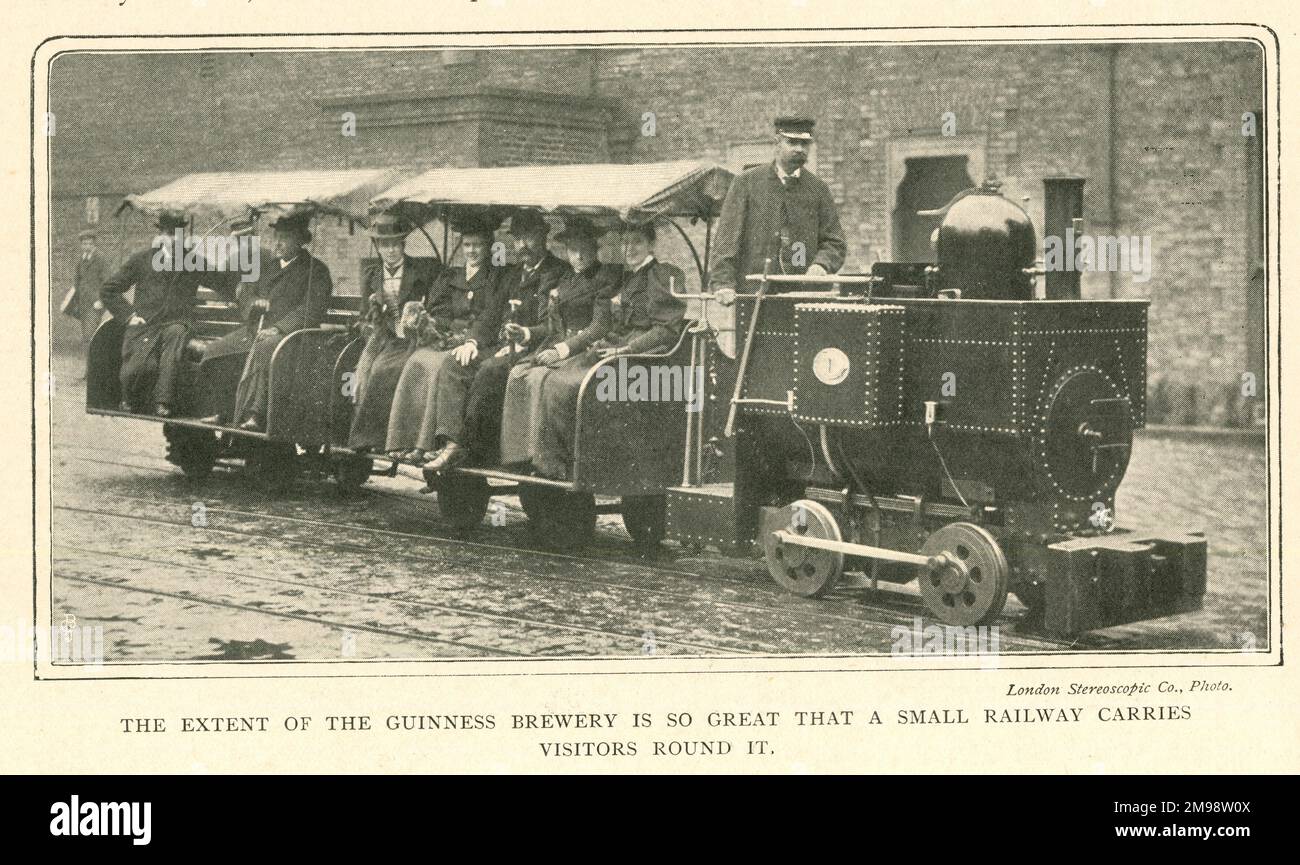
(1062, 205)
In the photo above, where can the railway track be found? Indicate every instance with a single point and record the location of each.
(685, 586)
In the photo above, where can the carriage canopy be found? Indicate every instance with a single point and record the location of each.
(604, 192)
(223, 195)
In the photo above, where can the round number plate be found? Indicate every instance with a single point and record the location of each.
(831, 366)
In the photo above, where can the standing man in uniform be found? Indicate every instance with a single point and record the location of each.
(89, 276)
(159, 321)
(779, 211)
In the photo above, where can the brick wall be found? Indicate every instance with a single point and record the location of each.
(1024, 112)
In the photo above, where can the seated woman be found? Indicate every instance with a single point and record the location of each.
(569, 314)
(643, 318)
(394, 283)
(460, 321)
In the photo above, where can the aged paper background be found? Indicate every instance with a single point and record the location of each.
(54, 725)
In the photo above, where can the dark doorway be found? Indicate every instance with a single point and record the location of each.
(930, 182)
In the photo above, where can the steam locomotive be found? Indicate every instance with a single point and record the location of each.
(939, 423)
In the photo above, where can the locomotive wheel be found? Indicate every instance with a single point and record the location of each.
(559, 519)
(972, 589)
(463, 500)
(804, 570)
(274, 466)
(193, 450)
(351, 473)
(646, 519)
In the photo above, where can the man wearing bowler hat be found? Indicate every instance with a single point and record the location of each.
(292, 292)
(159, 321)
(780, 212)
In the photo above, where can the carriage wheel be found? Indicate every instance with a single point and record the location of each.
(972, 588)
(193, 450)
(351, 473)
(273, 465)
(646, 519)
(463, 500)
(803, 570)
(559, 519)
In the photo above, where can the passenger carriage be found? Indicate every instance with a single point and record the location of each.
(626, 450)
(305, 404)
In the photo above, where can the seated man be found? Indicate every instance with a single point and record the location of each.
(643, 318)
(470, 396)
(292, 293)
(159, 321)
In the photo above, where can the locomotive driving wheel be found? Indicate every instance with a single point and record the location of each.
(970, 588)
(805, 571)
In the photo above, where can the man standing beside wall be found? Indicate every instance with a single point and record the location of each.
(780, 211)
(89, 274)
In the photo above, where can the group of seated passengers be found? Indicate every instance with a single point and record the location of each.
(479, 362)
(483, 363)
(291, 291)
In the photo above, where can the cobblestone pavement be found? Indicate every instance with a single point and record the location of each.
(314, 575)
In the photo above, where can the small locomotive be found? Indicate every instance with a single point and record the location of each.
(938, 422)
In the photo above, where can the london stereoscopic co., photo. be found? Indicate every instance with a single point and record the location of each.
(629, 352)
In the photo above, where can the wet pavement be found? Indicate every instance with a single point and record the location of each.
(178, 571)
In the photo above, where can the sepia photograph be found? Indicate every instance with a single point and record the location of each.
(837, 348)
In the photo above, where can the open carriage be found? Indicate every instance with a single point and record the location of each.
(629, 449)
(304, 405)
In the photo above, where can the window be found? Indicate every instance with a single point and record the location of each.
(91, 215)
(928, 183)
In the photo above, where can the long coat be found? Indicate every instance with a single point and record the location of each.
(459, 309)
(385, 353)
(643, 317)
(796, 223)
(568, 319)
(152, 371)
(478, 426)
(299, 296)
(87, 278)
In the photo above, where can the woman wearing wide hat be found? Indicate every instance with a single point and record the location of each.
(394, 288)
(460, 318)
